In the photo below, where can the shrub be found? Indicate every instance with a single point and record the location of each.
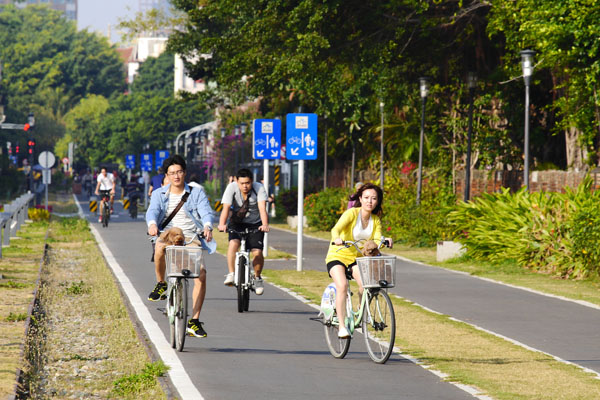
(547, 232)
(38, 214)
(287, 203)
(421, 225)
(323, 209)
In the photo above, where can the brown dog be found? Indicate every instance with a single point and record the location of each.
(173, 236)
(370, 249)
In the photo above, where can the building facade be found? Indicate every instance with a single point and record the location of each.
(69, 7)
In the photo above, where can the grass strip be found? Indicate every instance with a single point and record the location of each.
(467, 355)
(19, 268)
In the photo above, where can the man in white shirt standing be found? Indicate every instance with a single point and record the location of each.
(105, 186)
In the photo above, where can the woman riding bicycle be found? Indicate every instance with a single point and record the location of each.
(359, 222)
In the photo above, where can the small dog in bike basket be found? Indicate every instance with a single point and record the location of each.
(173, 237)
(370, 249)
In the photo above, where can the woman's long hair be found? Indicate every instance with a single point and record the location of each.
(378, 210)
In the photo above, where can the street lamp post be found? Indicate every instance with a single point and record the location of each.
(527, 65)
(423, 90)
(471, 83)
(223, 131)
(381, 177)
(243, 127)
(236, 130)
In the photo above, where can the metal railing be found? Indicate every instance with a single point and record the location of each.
(13, 217)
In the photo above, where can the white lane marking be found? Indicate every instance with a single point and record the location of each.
(472, 390)
(513, 341)
(181, 380)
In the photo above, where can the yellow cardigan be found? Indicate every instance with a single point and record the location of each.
(343, 229)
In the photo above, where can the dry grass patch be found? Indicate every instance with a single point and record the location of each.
(499, 368)
(90, 344)
(19, 269)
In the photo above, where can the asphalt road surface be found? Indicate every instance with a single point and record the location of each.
(275, 351)
(564, 329)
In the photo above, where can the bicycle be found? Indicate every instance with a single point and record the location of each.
(375, 313)
(105, 207)
(243, 277)
(182, 263)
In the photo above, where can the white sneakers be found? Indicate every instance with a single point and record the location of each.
(343, 332)
(259, 286)
(228, 279)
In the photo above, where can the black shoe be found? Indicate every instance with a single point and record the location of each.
(194, 328)
(159, 292)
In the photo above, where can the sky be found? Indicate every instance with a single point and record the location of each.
(97, 15)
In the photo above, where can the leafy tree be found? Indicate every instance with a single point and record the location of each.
(155, 76)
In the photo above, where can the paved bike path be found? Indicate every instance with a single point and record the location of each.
(562, 328)
(275, 351)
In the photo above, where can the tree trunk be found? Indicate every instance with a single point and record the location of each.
(576, 154)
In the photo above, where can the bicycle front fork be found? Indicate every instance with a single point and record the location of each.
(242, 257)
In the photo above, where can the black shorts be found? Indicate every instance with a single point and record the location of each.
(348, 268)
(104, 193)
(254, 241)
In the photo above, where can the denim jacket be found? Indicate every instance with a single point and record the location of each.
(196, 207)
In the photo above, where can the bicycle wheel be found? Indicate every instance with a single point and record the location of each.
(379, 326)
(246, 299)
(338, 347)
(241, 282)
(171, 310)
(105, 215)
(181, 314)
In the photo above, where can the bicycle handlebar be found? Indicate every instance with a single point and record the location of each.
(349, 243)
(247, 231)
(200, 235)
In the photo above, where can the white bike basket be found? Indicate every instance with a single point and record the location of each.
(373, 270)
(179, 258)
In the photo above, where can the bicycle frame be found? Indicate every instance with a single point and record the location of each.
(242, 253)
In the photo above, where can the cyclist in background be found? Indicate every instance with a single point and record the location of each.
(105, 187)
(234, 196)
(359, 222)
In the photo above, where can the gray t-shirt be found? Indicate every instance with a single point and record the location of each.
(233, 196)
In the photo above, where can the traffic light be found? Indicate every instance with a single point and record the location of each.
(17, 148)
(30, 145)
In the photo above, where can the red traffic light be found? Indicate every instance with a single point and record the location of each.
(31, 142)
(26, 127)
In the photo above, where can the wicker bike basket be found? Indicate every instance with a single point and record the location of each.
(373, 270)
(179, 258)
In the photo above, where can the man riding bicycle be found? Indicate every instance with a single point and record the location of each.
(105, 187)
(241, 191)
(194, 214)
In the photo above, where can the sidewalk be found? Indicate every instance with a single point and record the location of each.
(564, 329)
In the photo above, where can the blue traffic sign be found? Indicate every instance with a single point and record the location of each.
(130, 161)
(146, 162)
(161, 155)
(266, 140)
(301, 137)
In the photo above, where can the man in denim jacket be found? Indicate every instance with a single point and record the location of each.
(196, 213)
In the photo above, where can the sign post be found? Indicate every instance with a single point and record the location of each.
(129, 164)
(301, 144)
(161, 155)
(146, 166)
(266, 145)
(46, 160)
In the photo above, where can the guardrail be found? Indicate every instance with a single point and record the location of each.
(13, 217)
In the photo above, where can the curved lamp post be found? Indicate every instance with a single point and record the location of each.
(223, 131)
(424, 91)
(471, 84)
(527, 65)
(243, 127)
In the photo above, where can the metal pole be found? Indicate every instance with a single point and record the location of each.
(266, 179)
(381, 173)
(469, 138)
(352, 167)
(300, 214)
(420, 171)
(526, 171)
(222, 165)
